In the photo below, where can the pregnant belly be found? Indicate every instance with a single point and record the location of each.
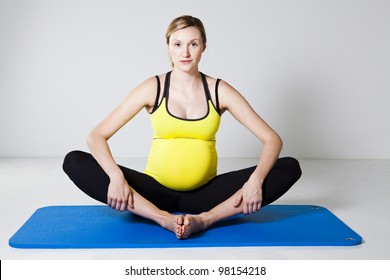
(182, 164)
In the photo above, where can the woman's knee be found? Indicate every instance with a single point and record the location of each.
(72, 160)
(292, 167)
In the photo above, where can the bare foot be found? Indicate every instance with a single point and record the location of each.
(179, 226)
(193, 224)
(174, 223)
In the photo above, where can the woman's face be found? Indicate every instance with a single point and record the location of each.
(185, 48)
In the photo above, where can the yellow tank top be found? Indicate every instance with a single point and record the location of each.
(183, 154)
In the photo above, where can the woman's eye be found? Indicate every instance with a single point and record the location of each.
(177, 44)
(194, 44)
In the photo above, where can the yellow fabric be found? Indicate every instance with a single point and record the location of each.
(183, 155)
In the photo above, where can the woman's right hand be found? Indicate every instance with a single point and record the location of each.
(120, 195)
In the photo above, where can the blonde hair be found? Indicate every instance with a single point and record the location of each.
(184, 22)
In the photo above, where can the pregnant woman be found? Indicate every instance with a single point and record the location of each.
(185, 107)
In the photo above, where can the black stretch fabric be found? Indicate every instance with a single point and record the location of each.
(86, 173)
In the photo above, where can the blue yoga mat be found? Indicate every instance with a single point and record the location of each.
(103, 227)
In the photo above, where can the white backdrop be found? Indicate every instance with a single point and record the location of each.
(317, 71)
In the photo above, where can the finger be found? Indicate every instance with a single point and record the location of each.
(250, 209)
(245, 209)
(112, 203)
(123, 206)
(118, 205)
(238, 200)
(255, 208)
(130, 201)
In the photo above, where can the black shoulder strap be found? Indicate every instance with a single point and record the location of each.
(166, 84)
(158, 94)
(216, 96)
(205, 86)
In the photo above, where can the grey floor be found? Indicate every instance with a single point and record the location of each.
(357, 191)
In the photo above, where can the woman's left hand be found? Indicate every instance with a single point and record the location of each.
(249, 197)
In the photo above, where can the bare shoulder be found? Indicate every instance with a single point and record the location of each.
(147, 87)
(225, 87)
(144, 94)
(229, 96)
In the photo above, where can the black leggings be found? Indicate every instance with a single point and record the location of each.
(87, 174)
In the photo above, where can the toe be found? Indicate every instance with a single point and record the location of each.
(179, 220)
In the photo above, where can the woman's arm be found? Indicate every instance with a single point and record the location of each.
(119, 192)
(251, 194)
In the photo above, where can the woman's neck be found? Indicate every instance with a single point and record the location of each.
(186, 79)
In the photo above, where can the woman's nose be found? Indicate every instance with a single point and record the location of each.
(186, 52)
